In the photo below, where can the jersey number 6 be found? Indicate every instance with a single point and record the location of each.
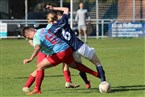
(66, 35)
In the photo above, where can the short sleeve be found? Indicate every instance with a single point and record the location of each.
(36, 40)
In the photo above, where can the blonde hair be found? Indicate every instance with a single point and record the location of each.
(51, 16)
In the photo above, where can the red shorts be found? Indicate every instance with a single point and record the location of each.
(61, 57)
(40, 57)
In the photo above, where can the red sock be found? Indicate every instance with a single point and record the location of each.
(39, 78)
(29, 81)
(83, 68)
(67, 76)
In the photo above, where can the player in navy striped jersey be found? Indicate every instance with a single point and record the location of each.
(56, 27)
(62, 30)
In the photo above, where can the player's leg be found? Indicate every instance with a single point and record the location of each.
(48, 62)
(84, 30)
(65, 56)
(67, 77)
(83, 75)
(29, 82)
(85, 36)
(99, 67)
(69, 59)
(66, 73)
(89, 53)
(32, 76)
(83, 68)
(40, 75)
(40, 57)
(80, 32)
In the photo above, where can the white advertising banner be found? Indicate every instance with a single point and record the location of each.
(3, 30)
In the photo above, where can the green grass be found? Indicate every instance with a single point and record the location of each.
(122, 59)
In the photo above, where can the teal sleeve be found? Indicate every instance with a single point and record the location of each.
(36, 41)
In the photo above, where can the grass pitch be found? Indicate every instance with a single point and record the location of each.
(122, 59)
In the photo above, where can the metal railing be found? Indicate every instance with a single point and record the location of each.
(98, 24)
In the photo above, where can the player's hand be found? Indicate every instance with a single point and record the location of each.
(25, 61)
(49, 6)
(31, 42)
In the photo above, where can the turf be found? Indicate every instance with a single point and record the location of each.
(122, 59)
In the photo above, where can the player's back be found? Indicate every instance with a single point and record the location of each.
(51, 42)
(62, 30)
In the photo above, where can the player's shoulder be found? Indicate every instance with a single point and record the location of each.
(48, 26)
(39, 31)
(85, 10)
(65, 16)
(79, 10)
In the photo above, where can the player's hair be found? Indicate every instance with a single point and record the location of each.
(59, 13)
(81, 3)
(53, 15)
(25, 29)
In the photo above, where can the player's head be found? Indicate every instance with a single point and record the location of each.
(59, 14)
(51, 16)
(81, 5)
(28, 32)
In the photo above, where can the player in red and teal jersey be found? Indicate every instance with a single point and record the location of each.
(31, 78)
(57, 51)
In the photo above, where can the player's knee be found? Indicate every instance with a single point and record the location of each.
(73, 65)
(39, 67)
(95, 60)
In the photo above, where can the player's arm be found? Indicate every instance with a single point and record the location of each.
(64, 9)
(76, 18)
(37, 46)
(89, 18)
(34, 54)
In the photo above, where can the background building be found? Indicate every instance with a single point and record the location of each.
(101, 11)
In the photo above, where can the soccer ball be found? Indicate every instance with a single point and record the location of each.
(104, 87)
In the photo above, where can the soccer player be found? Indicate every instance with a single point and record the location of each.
(81, 17)
(57, 51)
(32, 76)
(77, 59)
(62, 29)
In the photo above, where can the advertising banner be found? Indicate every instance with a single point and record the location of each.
(128, 29)
(3, 30)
